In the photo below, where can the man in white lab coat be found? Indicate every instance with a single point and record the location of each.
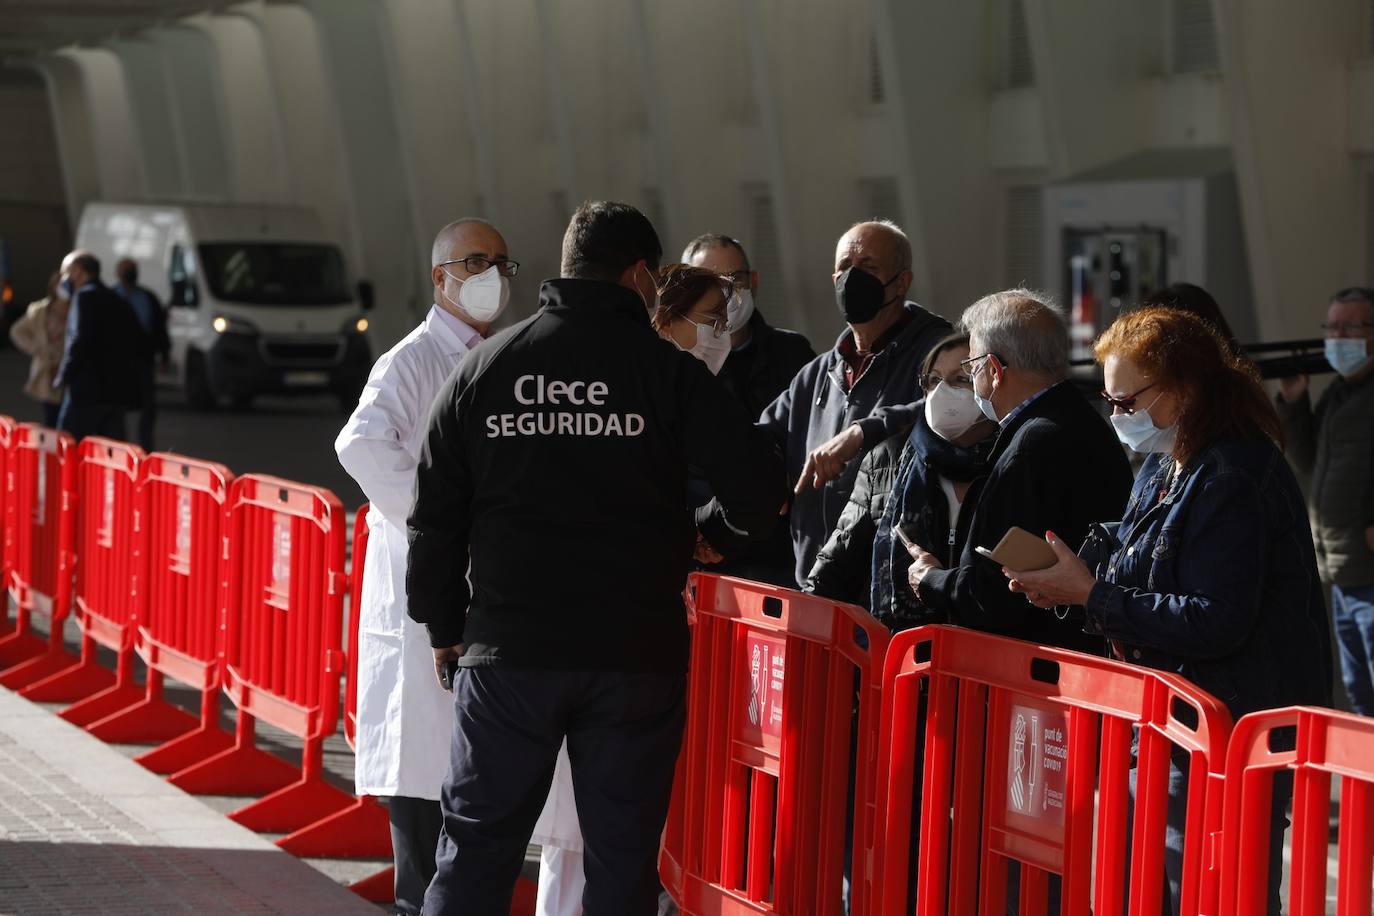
(405, 718)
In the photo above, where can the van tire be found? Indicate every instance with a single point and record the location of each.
(199, 395)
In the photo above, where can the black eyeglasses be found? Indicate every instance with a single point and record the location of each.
(476, 264)
(931, 380)
(1127, 404)
(739, 279)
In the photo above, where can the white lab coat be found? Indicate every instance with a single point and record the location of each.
(405, 719)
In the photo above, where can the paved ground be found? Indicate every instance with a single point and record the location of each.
(85, 830)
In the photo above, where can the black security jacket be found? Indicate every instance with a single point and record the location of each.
(556, 465)
(1057, 466)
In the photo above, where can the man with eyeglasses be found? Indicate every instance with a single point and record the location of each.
(405, 718)
(763, 361)
(1056, 466)
(1334, 442)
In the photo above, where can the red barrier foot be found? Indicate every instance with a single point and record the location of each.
(146, 722)
(293, 807)
(19, 676)
(77, 682)
(20, 646)
(360, 831)
(187, 750)
(102, 705)
(379, 888)
(240, 770)
(523, 900)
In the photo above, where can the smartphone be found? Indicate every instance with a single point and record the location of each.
(447, 674)
(1020, 550)
(904, 537)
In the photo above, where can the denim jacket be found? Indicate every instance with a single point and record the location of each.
(1217, 579)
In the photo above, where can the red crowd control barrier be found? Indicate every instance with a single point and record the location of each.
(179, 594)
(1314, 745)
(758, 817)
(1012, 744)
(42, 489)
(282, 652)
(7, 431)
(362, 830)
(106, 558)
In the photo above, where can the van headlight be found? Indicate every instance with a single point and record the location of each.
(360, 326)
(225, 324)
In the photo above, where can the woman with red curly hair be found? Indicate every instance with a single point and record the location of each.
(1212, 573)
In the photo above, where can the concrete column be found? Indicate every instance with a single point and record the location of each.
(118, 156)
(196, 110)
(252, 122)
(360, 84)
(1286, 71)
(150, 100)
(73, 132)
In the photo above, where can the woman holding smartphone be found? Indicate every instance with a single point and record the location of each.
(918, 489)
(1212, 573)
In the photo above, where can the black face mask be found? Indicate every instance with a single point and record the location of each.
(860, 295)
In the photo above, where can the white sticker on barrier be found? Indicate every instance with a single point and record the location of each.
(105, 536)
(40, 505)
(1037, 762)
(279, 592)
(181, 548)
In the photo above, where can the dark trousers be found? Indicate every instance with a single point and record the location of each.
(82, 420)
(624, 731)
(50, 413)
(415, 827)
(147, 417)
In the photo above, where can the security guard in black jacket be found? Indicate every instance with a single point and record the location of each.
(554, 480)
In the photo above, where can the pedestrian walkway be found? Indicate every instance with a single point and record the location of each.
(83, 829)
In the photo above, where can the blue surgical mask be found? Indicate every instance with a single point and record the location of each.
(1138, 432)
(66, 287)
(1347, 355)
(984, 404)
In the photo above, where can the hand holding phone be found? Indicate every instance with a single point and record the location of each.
(447, 674)
(905, 538)
(1021, 551)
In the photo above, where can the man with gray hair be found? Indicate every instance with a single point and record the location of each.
(860, 391)
(1057, 467)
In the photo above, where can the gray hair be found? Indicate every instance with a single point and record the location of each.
(898, 235)
(1025, 328)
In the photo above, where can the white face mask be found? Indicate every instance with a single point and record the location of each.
(951, 412)
(1347, 355)
(484, 296)
(709, 348)
(1138, 432)
(658, 297)
(740, 308)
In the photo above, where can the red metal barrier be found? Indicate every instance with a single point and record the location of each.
(1315, 745)
(105, 557)
(7, 433)
(1048, 729)
(757, 821)
(178, 589)
(362, 830)
(282, 653)
(43, 491)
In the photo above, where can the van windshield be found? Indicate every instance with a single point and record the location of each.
(272, 273)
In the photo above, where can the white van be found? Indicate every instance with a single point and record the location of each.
(258, 300)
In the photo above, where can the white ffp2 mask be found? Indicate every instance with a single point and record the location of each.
(483, 296)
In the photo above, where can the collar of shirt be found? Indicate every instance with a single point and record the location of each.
(466, 333)
(1016, 411)
(855, 362)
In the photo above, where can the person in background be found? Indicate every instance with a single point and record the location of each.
(1211, 572)
(763, 361)
(1333, 442)
(923, 481)
(1193, 299)
(1055, 467)
(39, 334)
(103, 355)
(153, 319)
(860, 391)
(404, 717)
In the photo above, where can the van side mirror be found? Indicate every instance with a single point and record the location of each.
(183, 294)
(367, 296)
